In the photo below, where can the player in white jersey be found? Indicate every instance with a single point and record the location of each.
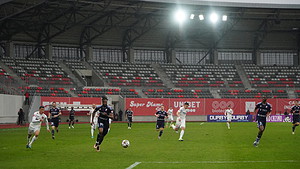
(170, 116)
(180, 121)
(35, 125)
(228, 113)
(94, 121)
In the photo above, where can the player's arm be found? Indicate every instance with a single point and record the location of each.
(35, 119)
(46, 121)
(269, 112)
(178, 115)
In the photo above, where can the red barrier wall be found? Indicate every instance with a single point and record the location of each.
(148, 106)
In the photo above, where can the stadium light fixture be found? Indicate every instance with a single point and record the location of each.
(180, 16)
(192, 16)
(214, 17)
(224, 18)
(201, 17)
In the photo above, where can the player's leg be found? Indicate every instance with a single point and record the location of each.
(261, 129)
(35, 137)
(30, 133)
(103, 129)
(109, 125)
(73, 122)
(70, 121)
(294, 127)
(56, 126)
(182, 130)
(52, 129)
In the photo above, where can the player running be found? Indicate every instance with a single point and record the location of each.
(296, 116)
(71, 117)
(94, 121)
(264, 110)
(54, 114)
(228, 113)
(129, 115)
(180, 121)
(35, 126)
(105, 112)
(170, 116)
(160, 124)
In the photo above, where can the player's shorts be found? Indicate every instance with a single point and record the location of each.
(103, 124)
(296, 119)
(229, 118)
(170, 118)
(33, 128)
(261, 122)
(71, 118)
(160, 124)
(180, 124)
(55, 122)
(129, 119)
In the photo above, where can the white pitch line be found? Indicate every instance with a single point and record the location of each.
(134, 165)
(210, 162)
(221, 162)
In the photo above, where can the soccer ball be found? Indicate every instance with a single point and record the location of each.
(125, 143)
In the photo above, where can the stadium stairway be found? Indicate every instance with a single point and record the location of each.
(88, 66)
(163, 76)
(12, 74)
(71, 75)
(241, 72)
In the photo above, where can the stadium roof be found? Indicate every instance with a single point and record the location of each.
(146, 24)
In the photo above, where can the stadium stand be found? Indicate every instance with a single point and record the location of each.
(127, 74)
(38, 71)
(177, 93)
(73, 65)
(273, 76)
(98, 92)
(253, 93)
(42, 91)
(212, 76)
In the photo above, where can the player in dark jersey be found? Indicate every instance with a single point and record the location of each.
(54, 114)
(296, 116)
(264, 109)
(129, 115)
(104, 112)
(71, 117)
(160, 124)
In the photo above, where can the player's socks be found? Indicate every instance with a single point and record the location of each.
(228, 125)
(108, 130)
(92, 132)
(52, 132)
(160, 133)
(181, 134)
(69, 123)
(293, 128)
(100, 138)
(32, 140)
(28, 139)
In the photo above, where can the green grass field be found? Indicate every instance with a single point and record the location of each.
(210, 145)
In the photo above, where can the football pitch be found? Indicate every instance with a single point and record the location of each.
(205, 145)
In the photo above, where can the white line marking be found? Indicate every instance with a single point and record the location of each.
(134, 165)
(221, 162)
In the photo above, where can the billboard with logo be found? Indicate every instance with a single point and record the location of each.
(148, 106)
